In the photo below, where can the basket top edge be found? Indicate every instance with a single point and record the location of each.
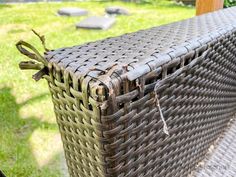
(136, 49)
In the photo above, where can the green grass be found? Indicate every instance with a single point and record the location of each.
(29, 138)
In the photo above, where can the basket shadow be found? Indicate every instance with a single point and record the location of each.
(17, 155)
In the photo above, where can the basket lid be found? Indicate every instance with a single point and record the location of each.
(145, 50)
(137, 49)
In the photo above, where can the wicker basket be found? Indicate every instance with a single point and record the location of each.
(149, 103)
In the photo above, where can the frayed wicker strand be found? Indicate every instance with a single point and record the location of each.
(40, 64)
(165, 128)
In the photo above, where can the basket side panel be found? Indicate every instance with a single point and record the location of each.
(78, 118)
(196, 95)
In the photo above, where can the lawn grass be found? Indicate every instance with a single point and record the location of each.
(29, 139)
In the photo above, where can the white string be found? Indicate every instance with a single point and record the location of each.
(165, 128)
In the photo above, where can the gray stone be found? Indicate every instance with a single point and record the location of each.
(96, 22)
(116, 10)
(72, 11)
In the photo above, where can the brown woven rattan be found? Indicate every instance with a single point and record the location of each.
(221, 158)
(149, 103)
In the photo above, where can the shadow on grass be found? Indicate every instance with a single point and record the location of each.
(15, 133)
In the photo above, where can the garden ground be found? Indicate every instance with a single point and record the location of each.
(30, 144)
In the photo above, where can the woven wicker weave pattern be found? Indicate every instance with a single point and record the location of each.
(221, 159)
(136, 48)
(109, 97)
(116, 130)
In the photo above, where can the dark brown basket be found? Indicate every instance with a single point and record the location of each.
(149, 103)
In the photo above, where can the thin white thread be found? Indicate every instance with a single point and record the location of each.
(165, 128)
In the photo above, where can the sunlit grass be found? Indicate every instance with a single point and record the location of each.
(27, 121)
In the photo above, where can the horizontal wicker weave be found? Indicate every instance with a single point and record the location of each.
(149, 103)
(221, 161)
